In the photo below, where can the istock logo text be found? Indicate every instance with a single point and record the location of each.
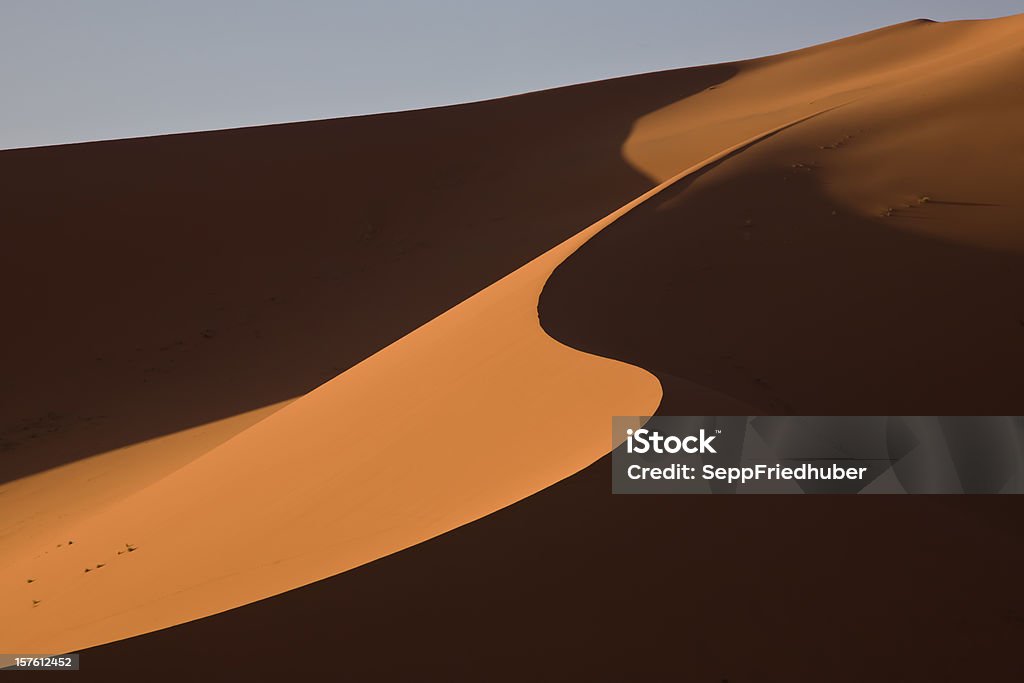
(643, 441)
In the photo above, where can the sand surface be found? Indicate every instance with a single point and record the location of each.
(469, 413)
(834, 230)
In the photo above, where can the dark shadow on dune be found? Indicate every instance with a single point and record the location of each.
(760, 287)
(574, 583)
(158, 284)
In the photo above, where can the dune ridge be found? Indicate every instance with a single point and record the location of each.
(487, 361)
(172, 282)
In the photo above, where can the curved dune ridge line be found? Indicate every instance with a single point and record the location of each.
(468, 414)
(195, 277)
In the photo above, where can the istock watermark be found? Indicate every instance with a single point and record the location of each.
(795, 455)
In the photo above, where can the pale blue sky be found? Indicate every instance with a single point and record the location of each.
(77, 70)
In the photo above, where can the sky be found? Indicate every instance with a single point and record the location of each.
(79, 70)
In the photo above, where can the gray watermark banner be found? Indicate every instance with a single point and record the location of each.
(880, 454)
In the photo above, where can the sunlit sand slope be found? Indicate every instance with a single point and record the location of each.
(469, 413)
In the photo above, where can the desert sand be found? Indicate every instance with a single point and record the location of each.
(867, 261)
(425, 420)
(833, 230)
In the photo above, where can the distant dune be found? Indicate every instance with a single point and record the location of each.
(245, 361)
(867, 261)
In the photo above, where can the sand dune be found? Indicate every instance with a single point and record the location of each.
(469, 413)
(867, 262)
(863, 256)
